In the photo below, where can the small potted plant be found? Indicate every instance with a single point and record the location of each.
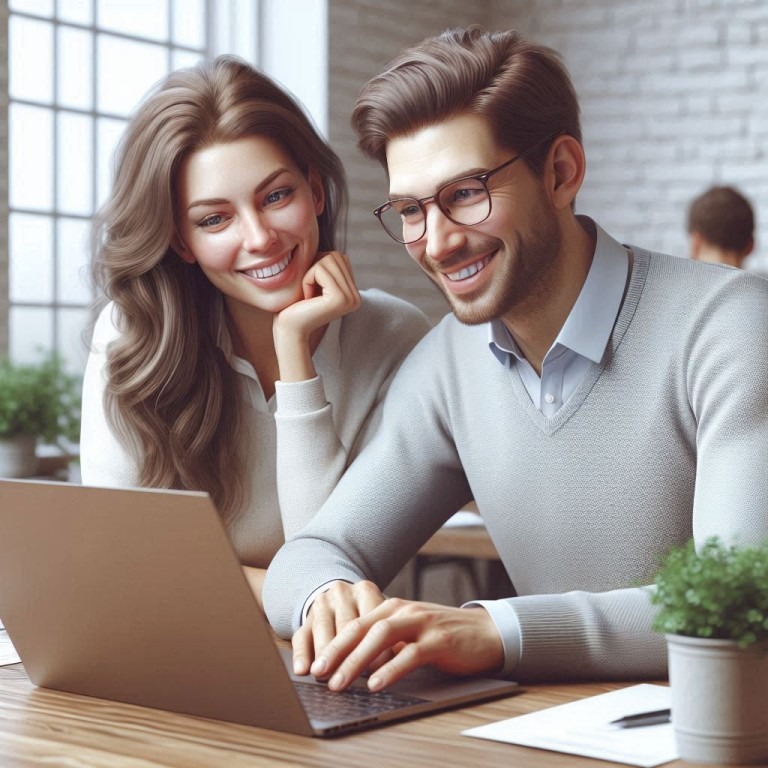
(713, 609)
(37, 402)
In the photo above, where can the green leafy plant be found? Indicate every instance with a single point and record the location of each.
(718, 591)
(40, 400)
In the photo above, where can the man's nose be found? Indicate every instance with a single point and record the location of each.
(442, 236)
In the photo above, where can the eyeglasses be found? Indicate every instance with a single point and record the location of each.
(465, 201)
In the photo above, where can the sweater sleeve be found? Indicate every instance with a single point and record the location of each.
(104, 460)
(386, 505)
(310, 455)
(313, 450)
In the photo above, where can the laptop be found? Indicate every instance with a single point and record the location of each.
(136, 595)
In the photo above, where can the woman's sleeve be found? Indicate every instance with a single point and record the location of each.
(311, 456)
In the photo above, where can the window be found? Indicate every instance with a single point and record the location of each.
(77, 69)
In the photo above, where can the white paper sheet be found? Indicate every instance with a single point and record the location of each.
(8, 653)
(583, 728)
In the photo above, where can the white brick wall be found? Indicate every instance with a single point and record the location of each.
(674, 97)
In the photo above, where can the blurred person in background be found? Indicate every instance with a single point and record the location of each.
(721, 227)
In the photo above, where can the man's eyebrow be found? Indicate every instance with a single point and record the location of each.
(447, 180)
(221, 201)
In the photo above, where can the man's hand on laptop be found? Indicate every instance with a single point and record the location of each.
(353, 628)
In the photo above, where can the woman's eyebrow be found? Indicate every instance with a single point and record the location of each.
(220, 200)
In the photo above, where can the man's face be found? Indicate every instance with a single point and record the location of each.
(490, 268)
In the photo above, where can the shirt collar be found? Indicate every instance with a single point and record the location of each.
(329, 347)
(589, 325)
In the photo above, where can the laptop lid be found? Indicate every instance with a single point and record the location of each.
(136, 595)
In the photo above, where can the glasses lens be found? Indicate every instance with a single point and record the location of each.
(465, 201)
(403, 219)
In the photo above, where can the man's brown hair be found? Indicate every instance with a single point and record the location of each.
(522, 89)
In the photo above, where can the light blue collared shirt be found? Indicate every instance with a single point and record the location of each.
(584, 335)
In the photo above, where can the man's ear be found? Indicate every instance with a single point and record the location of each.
(318, 190)
(566, 167)
(178, 245)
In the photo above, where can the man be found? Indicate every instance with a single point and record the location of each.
(721, 227)
(600, 403)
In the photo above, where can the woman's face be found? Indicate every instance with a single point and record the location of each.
(248, 216)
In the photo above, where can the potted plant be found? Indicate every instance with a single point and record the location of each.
(713, 609)
(37, 402)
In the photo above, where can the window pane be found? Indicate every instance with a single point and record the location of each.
(108, 133)
(146, 18)
(78, 11)
(75, 69)
(184, 59)
(189, 23)
(31, 332)
(31, 258)
(73, 260)
(70, 324)
(74, 181)
(31, 59)
(37, 7)
(121, 87)
(31, 157)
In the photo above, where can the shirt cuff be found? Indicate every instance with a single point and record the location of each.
(508, 626)
(295, 398)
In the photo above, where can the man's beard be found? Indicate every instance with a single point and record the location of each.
(520, 278)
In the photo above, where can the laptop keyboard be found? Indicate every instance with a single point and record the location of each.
(320, 703)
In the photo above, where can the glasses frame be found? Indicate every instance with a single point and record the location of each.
(481, 177)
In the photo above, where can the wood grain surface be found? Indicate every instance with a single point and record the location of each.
(40, 727)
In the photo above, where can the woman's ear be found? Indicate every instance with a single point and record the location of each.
(567, 166)
(178, 245)
(318, 190)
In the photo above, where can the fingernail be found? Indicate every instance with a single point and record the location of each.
(337, 681)
(375, 683)
(319, 667)
(298, 666)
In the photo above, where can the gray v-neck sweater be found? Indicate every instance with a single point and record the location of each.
(666, 438)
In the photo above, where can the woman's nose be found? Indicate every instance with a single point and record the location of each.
(256, 232)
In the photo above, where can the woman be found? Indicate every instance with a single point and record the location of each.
(236, 355)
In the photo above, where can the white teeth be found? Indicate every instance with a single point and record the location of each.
(270, 271)
(466, 272)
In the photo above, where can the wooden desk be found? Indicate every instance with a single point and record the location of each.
(39, 726)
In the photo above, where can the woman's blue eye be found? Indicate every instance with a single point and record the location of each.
(278, 195)
(211, 221)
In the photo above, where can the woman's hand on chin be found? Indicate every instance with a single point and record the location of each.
(329, 292)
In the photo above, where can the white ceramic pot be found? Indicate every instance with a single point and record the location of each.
(719, 700)
(17, 456)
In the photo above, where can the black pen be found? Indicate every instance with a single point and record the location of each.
(644, 718)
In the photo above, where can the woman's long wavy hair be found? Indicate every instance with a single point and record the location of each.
(170, 395)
